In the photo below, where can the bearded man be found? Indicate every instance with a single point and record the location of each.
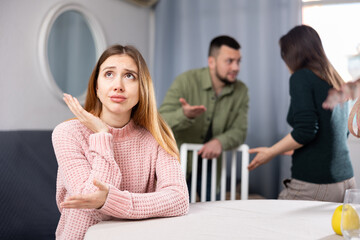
(209, 105)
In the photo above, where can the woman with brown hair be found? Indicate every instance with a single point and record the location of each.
(118, 158)
(321, 168)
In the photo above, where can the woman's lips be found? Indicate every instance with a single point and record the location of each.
(118, 99)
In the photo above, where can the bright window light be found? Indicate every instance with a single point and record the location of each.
(338, 25)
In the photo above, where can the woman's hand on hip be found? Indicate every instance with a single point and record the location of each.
(89, 120)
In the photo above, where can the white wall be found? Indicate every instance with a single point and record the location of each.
(25, 100)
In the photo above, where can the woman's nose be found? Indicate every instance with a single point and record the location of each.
(119, 85)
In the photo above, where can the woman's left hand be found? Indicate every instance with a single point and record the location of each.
(264, 155)
(90, 201)
(89, 120)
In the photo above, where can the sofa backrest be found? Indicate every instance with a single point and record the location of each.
(28, 170)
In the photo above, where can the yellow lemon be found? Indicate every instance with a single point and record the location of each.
(336, 220)
(351, 218)
(350, 221)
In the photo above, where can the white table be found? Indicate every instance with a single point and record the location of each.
(249, 219)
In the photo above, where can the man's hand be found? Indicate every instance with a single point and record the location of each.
(211, 149)
(90, 201)
(191, 111)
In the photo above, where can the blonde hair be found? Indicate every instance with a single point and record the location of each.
(145, 112)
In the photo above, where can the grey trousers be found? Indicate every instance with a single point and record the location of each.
(300, 190)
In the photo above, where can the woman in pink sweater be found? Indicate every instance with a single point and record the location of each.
(118, 159)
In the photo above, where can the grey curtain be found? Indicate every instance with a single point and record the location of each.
(184, 29)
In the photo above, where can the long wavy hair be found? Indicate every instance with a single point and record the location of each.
(145, 112)
(301, 47)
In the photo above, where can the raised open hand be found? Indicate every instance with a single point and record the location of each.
(192, 111)
(89, 120)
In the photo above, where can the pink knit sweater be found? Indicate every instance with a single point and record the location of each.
(145, 181)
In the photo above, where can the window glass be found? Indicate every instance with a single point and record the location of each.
(337, 23)
(71, 52)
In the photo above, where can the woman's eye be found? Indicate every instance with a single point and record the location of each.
(109, 74)
(129, 76)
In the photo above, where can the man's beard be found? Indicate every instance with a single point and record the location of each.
(224, 79)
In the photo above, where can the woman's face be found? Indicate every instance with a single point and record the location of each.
(118, 87)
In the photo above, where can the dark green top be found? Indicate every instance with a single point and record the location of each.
(324, 158)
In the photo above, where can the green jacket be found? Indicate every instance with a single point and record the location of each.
(227, 112)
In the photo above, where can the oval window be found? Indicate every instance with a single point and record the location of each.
(71, 52)
(70, 43)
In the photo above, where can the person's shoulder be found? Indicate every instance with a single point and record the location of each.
(70, 127)
(303, 76)
(306, 77)
(194, 73)
(304, 73)
(70, 124)
(191, 79)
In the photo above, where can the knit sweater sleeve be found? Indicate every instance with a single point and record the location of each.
(78, 170)
(304, 115)
(169, 199)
